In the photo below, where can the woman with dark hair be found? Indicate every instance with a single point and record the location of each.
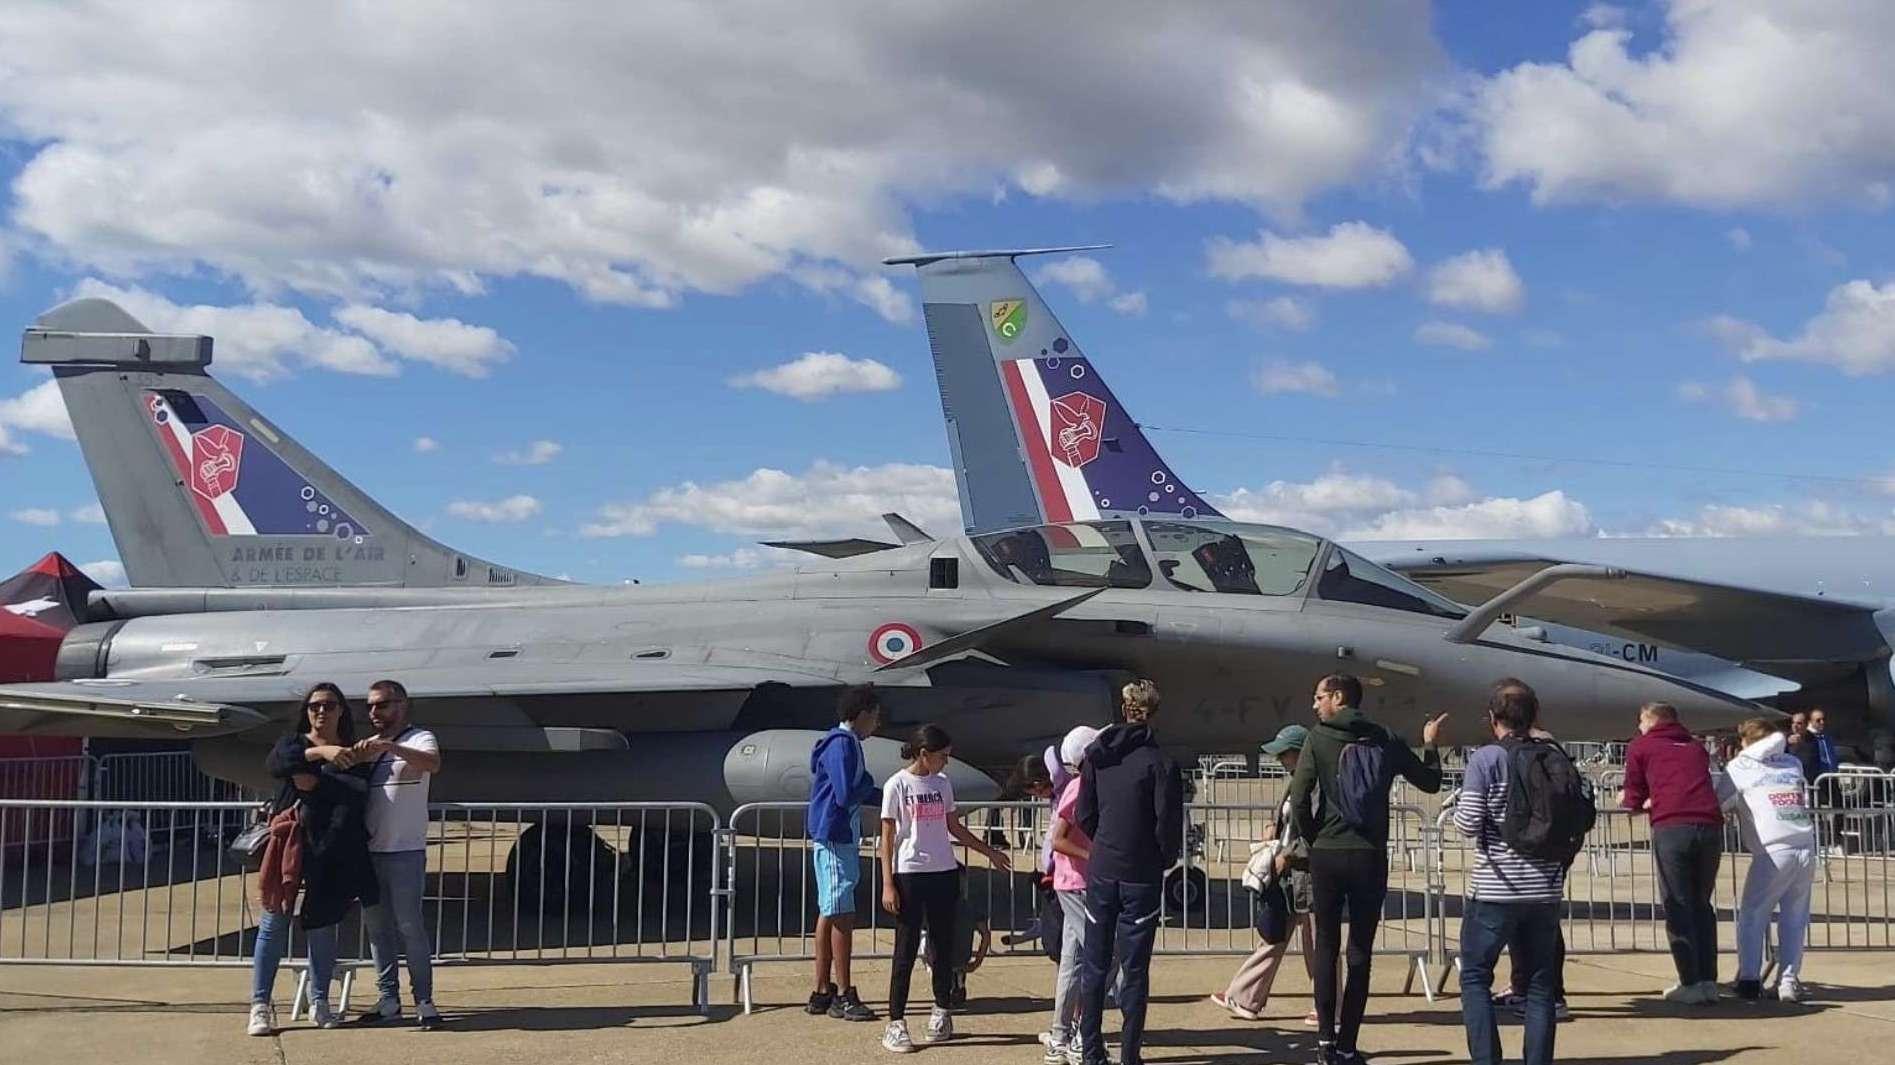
(321, 778)
(921, 877)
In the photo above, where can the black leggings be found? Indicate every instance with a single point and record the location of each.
(931, 899)
(1355, 880)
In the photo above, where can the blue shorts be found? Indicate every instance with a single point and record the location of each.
(838, 868)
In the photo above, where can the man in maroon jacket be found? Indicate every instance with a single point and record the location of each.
(1668, 773)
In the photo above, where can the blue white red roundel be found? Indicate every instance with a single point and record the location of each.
(893, 640)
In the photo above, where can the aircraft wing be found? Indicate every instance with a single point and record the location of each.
(126, 711)
(1789, 635)
(198, 707)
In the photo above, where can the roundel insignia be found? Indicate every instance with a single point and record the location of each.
(892, 641)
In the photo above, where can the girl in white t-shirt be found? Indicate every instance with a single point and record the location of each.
(921, 876)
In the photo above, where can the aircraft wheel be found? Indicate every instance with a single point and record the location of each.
(556, 866)
(1186, 890)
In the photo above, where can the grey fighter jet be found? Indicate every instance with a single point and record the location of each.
(1036, 435)
(258, 570)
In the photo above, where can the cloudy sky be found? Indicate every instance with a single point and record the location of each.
(596, 292)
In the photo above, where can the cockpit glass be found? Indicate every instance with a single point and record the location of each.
(1237, 559)
(1089, 554)
(1350, 578)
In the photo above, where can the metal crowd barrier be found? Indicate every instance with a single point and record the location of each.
(770, 873)
(153, 883)
(1614, 899)
(1204, 910)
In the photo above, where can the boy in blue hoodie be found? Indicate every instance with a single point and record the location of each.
(839, 784)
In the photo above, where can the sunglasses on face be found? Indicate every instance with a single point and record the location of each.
(322, 705)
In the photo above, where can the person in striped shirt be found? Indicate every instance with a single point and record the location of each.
(1512, 898)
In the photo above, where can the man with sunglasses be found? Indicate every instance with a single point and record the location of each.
(403, 759)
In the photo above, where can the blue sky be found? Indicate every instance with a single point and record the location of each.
(1657, 237)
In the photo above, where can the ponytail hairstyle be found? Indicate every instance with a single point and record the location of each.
(929, 738)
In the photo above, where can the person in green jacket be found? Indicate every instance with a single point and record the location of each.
(1348, 861)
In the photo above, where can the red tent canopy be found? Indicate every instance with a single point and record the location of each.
(37, 607)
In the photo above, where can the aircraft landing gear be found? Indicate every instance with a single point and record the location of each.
(558, 865)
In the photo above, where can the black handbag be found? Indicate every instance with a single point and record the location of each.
(247, 849)
(1270, 911)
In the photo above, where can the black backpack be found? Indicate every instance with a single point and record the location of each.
(1550, 805)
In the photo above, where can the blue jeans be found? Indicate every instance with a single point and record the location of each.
(273, 940)
(1121, 918)
(397, 927)
(1486, 930)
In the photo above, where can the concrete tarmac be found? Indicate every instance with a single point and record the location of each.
(583, 1013)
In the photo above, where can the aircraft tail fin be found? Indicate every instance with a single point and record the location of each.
(1035, 433)
(200, 491)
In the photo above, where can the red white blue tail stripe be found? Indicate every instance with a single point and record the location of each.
(1086, 457)
(237, 484)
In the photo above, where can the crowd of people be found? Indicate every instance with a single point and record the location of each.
(1118, 825)
(349, 824)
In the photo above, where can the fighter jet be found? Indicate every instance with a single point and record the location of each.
(257, 571)
(1036, 435)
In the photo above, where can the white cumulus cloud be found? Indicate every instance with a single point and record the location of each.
(90, 514)
(1089, 282)
(1739, 238)
(743, 558)
(537, 453)
(109, 572)
(1451, 335)
(1353, 506)
(511, 509)
(1277, 312)
(37, 410)
(821, 374)
(426, 445)
(1350, 255)
(1308, 378)
(1741, 397)
(824, 500)
(1481, 280)
(449, 343)
(1855, 332)
(1736, 103)
(42, 516)
(639, 153)
(1549, 514)
(1808, 518)
(257, 341)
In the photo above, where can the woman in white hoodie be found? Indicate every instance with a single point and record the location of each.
(1764, 785)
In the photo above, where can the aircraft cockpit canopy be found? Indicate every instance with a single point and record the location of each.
(1231, 558)
(1079, 554)
(1350, 578)
(1202, 556)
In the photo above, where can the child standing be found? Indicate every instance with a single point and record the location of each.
(921, 877)
(1071, 849)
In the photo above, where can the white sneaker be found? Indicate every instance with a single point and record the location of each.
(1791, 990)
(1055, 1049)
(384, 1011)
(262, 1019)
(1075, 1050)
(322, 1016)
(1682, 994)
(940, 1026)
(895, 1038)
(1707, 992)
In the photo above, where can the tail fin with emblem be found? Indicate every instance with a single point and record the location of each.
(200, 491)
(1035, 434)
